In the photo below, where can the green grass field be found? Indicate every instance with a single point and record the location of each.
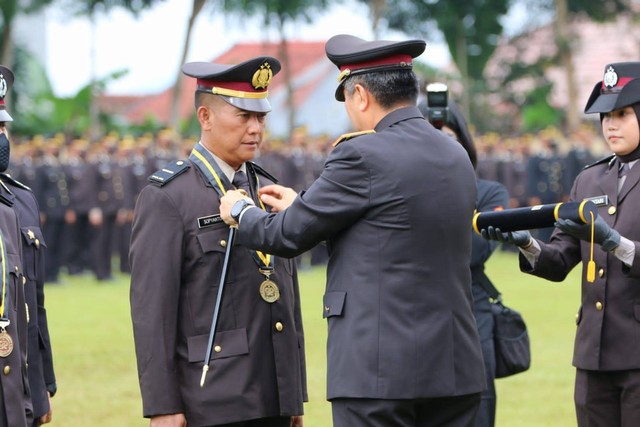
(95, 365)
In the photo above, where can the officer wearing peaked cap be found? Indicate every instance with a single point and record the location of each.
(397, 286)
(607, 350)
(30, 289)
(178, 245)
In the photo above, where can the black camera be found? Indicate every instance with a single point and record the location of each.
(438, 103)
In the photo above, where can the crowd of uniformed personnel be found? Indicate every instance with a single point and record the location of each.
(87, 191)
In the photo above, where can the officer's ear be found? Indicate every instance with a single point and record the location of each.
(361, 98)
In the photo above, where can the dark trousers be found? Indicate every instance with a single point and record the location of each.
(484, 319)
(607, 399)
(261, 422)
(53, 230)
(457, 411)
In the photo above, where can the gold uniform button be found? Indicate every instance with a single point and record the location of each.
(223, 243)
(279, 327)
(6, 370)
(217, 349)
(24, 280)
(37, 243)
(599, 306)
(17, 268)
(612, 210)
(601, 272)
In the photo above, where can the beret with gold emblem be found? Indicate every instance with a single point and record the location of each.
(619, 88)
(353, 55)
(6, 81)
(242, 85)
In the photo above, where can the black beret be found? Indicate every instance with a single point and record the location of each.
(534, 217)
(243, 85)
(353, 55)
(6, 81)
(619, 88)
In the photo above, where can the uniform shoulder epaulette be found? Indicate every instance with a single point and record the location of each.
(169, 172)
(260, 171)
(348, 136)
(607, 159)
(11, 180)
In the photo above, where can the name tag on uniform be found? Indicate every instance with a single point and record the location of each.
(599, 200)
(208, 221)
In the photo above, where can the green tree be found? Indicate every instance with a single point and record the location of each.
(9, 10)
(279, 14)
(471, 29)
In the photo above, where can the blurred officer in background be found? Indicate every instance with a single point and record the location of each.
(492, 196)
(16, 326)
(178, 246)
(403, 347)
(607, 349)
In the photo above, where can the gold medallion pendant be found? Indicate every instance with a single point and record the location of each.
(6, 344)
(269, 291)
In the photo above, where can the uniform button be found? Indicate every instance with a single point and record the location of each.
(601, 272)
(279, 327)
(17, 268)
(599, 306)
(217, 349)
(223, 243)
(24, 280)
(37, 243)
(611, 210)
(6, 370)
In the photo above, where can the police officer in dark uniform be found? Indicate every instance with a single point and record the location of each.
(607, 349)
(16, 409)
(178, 245)
(53, 200)
(403, 348)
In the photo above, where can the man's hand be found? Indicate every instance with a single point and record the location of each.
(277, 196)
(46, 418)
(518, 238)
(603, 234)
(171, 420)
(296, 421)
(226, 203)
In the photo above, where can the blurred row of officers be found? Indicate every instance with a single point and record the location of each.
(87, 192)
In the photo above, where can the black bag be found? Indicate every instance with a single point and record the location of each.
(511, 341)
(510, 336)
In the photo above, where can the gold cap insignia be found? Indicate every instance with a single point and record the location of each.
(262, 77)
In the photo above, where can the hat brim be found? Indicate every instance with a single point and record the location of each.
(604, 103)
(5, 117)
(257, 105)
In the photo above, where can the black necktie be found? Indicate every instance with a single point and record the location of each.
(241, 182)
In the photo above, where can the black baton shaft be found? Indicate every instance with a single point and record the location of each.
(216, 310)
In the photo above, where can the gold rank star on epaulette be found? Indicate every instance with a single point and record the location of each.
(348, 136)
(168, 172)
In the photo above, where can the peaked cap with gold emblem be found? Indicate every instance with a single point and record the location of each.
(353, 56)
(243, 85)
(619, 88)
(6, 81)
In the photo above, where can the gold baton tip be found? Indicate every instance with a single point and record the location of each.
(205, 369)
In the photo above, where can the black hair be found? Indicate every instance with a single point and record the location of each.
(387, 87)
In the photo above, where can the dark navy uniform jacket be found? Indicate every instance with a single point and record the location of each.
(398, 295)
(178, 246)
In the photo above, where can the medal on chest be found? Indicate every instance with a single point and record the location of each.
(6, 342)
(268, 288)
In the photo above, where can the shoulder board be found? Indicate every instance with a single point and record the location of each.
(260, 171)
(608, 159)
(8, 178)
(169, 172)
(348, 136)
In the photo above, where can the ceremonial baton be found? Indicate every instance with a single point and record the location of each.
(216, 310)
